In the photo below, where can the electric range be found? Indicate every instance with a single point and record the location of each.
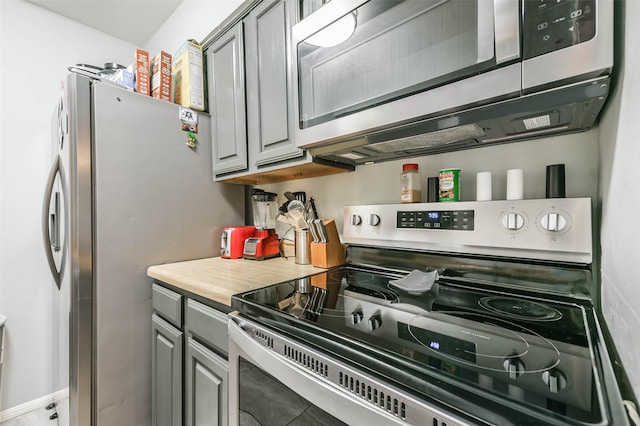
(506, 334)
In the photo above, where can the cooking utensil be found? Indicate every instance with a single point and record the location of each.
(312, 203)
(295, 205)
(289, 195)
(297, 212)
(300, 196)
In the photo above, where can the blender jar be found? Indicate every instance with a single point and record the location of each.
(265, 210)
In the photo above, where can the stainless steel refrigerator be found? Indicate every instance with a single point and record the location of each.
(125, 192)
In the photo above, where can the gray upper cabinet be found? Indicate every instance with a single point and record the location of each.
(251, 82)
(269, 82)
(227, 102)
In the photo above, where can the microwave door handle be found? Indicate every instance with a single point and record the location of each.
(507, 21)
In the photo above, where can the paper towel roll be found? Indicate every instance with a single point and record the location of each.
(515, 184)
(483, 186)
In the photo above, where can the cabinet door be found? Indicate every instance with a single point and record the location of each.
(227, 102)
(166, 364)
(206, 386)
(270, 118)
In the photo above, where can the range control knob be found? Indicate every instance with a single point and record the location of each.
(513, 221)
(356, 220)
(356, 316)
(374, 219)
(375, 321)
(514, 366)
(553, 222)
(555, 380)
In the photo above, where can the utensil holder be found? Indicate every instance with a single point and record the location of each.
(329, 254)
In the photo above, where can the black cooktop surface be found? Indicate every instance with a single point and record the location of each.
(508, 346)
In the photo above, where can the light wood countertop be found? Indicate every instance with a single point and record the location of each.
(218, 279)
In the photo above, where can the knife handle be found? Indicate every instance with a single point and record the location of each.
(312, 202)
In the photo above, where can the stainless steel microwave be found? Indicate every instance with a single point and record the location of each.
(380, 79)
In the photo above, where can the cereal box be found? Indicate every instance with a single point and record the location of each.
(188, 76)
(141, 72)
(161, 76)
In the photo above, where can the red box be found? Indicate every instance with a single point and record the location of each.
(161, 76)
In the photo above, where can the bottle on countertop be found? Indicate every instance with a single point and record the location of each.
(410, 190)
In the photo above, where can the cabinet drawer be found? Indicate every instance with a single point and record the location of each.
(168, 304)
(208, 324)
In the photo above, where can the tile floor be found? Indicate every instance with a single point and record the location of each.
(40, 417)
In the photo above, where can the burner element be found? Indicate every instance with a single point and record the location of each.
(482, 342)
(512, 307)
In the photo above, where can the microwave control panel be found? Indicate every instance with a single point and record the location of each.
(551, 25)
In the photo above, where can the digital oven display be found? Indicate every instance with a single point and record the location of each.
(459, 220)
(452, 346)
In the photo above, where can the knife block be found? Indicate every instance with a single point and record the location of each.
(329, 254)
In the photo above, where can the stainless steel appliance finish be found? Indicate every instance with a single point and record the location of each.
(343, 391)
(132, 194)
(403, 85)
(507, 334)
(556, 229)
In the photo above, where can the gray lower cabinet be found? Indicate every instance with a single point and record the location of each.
(207, 388)
(207, 372)
(189, 361)
(166, 364)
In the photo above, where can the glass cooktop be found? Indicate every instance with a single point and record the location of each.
(503, 345)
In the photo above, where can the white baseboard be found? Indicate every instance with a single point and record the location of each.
(36, 404)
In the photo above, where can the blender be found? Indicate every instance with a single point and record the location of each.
(265, 243)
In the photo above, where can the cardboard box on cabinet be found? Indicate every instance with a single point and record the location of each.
(141, 72)
(188, 76)
(161, 76)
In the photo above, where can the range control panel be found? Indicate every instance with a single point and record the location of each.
(460, 220)
(557, 229)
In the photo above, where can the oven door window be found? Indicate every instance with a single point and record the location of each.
(392, 49)
(267, 402)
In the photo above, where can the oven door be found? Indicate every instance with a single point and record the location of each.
(359, 62)
(274, 380)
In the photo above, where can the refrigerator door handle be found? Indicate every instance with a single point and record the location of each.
(52, 223)
(55, 223)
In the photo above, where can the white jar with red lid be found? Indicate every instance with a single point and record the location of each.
(410, 189)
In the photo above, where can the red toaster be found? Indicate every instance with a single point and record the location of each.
(232, 240)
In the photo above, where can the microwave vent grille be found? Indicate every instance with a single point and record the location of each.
(431, 139)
